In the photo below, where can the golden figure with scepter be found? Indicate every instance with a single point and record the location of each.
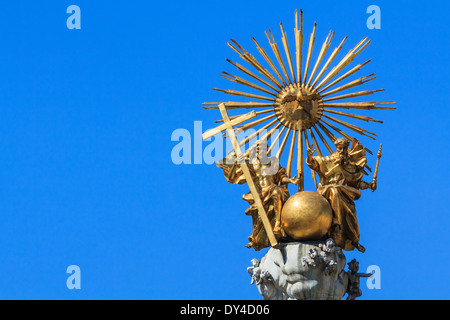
(340, 183)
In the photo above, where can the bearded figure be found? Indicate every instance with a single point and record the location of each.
(340, 183)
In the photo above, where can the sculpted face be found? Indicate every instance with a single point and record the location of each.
(342, 154)
(341, 150)
(298, 107)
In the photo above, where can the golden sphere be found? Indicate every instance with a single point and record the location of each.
(306, 216)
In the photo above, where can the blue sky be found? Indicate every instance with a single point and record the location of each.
(86, 120)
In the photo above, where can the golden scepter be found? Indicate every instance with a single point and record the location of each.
(375, 175)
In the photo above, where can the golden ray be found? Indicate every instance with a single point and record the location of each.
(269, 61)
(253, 62)
(330, 151)
(291, 156)
(244, 94)
(333, 138)
(251, 74)
(355, 116)
(246, 83)
(263, 138)
(350, 126)
(237, 105)
(257, 114)
(223, 127)
(327, 132)
(351, 84)
(344, 76)
(316, 145)
(310, 49)
(313, 173)
(344, 62)
(322, 53)
(276, 51)
(283, 144)
(299, 44)
(288, 52)
(254, 123)
(275, 140)
(360, 105)
(353, 95)
(329, 61)
(256, 133)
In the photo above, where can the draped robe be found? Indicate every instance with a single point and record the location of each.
(340, 185)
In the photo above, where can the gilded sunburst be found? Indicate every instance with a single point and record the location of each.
(299, 99)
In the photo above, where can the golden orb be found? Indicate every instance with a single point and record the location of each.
(306, 216)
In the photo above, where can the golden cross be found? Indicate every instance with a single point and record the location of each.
(228, 125)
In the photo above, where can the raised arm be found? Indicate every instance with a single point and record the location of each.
(364, 275)
(310, 161)
(286, 180)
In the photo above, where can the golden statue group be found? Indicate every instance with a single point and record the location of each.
(340, 183)
(299, 104)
